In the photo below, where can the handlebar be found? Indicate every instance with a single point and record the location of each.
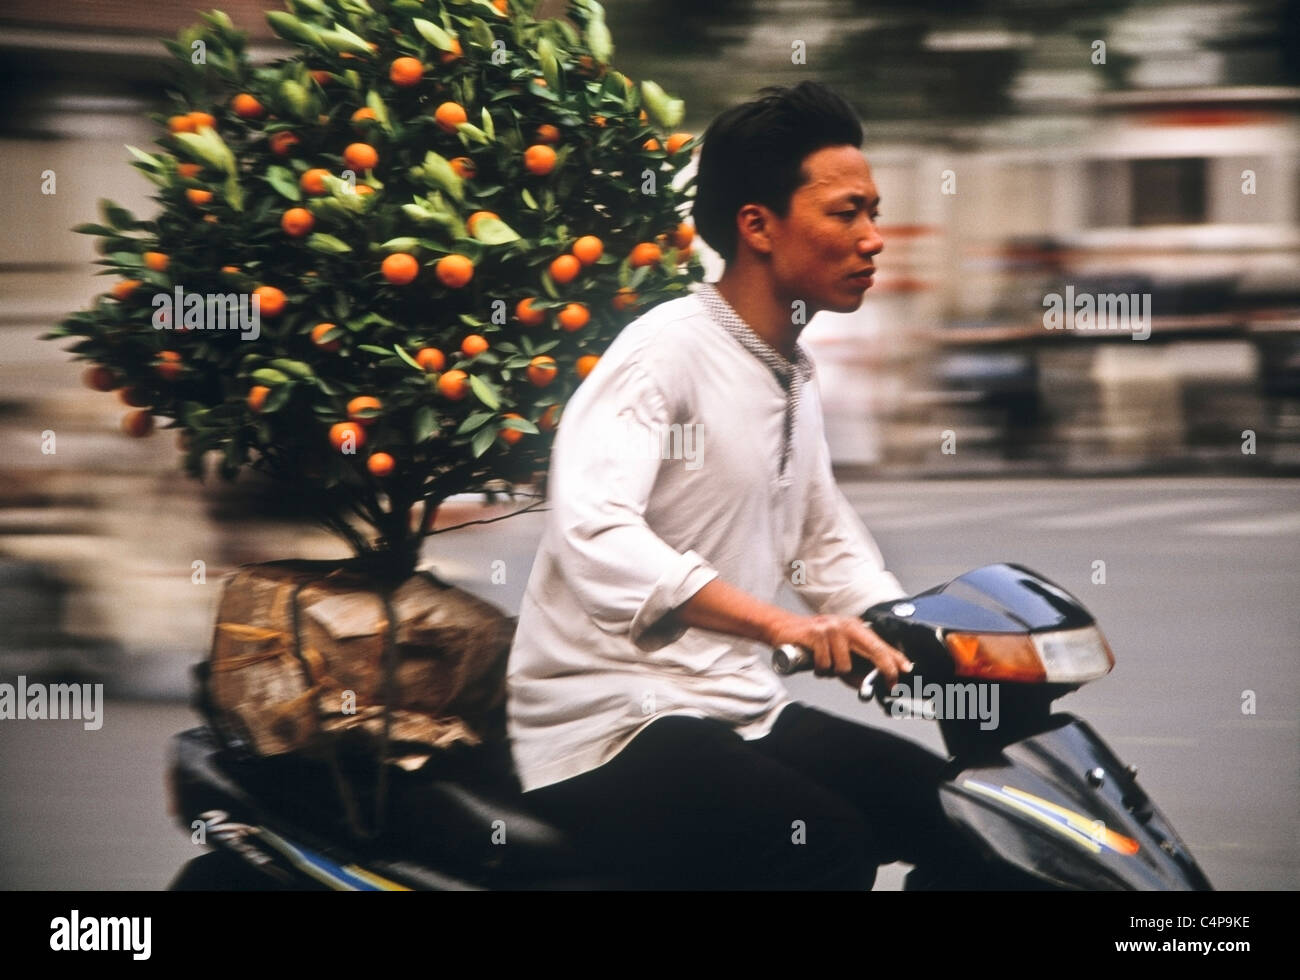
(790, 658)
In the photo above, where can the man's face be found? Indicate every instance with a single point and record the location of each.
(829, 236)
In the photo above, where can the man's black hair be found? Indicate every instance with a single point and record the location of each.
(753, 154)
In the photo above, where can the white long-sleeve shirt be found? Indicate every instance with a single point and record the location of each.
(665, 474)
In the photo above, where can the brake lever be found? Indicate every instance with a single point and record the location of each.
(867, 691)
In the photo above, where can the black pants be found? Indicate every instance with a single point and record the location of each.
(817, 803)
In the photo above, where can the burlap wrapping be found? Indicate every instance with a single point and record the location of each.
(281, 691)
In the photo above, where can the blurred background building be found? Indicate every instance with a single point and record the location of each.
(1145, 148)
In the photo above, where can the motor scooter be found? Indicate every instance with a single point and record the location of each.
(1041, 801)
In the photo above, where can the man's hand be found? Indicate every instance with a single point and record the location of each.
(834, 640)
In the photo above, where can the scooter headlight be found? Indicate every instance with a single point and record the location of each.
(1061, 657)
(1074, 656)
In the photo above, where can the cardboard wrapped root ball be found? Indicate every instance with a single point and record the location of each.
(299, 660)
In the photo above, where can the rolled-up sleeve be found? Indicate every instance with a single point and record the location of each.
(843, 571)
(603, 468)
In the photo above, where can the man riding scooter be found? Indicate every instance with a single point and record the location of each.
(690, 475)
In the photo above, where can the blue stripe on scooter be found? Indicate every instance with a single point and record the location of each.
(322, 869)
(1053, 821)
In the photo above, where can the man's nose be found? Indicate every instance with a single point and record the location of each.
(872, 243)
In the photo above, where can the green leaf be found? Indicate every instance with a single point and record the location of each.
(494, 13)
(408, 358)
(291, 28)
(432, 33)
(343, 195)
(380, 109)
(334, 333)
(665, 111)
(282, 180)
(550, 63)
(424, 424)
(205, 151)
(488, 126)
(403, 244)
(154, 178)
(523, 425)
(298, 369)
(419, 213)
(482, 441)
(93, 229)
(234, 194)
(543, 92)
(614, 88)
(361, 46)
(219, 20)
(373, 349)
(119, 217)
(528, 199)
(600, 41)
(437, 170)
(277, 399)
(471, 248)
(485, 392)
(193, 413)
(341, 39)
(143, 157)
(297, 98)
(494, 231)
(270, 376)
(475, 421)
(468, 131)
(328, 243)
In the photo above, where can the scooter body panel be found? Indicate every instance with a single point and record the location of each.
(1061, 807)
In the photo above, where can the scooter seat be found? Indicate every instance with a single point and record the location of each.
(479, 823)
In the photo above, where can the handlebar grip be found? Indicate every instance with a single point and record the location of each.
(790, 658)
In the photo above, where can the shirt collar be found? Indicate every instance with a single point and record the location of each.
(722, 313)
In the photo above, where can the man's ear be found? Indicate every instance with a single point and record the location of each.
(754, 228)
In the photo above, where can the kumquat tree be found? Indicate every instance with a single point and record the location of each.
(381, 266)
